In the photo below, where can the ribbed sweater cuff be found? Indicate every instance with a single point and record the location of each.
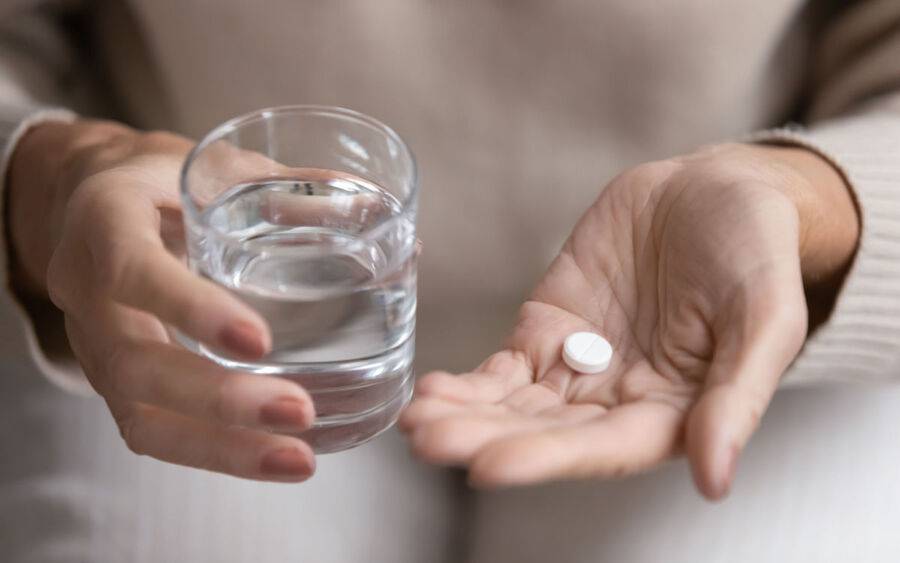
(861, 340)
(18, 341)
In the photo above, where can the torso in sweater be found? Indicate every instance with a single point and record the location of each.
(518, 112)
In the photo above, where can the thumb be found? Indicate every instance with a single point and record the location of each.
(754, 347)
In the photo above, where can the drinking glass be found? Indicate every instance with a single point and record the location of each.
(308, 214)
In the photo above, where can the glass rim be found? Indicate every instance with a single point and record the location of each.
(220, 131)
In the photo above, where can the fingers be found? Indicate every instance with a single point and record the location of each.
(151, 279)
(749, 361)
(127, 360)
(240, 452)
(427, 409)
(713, 452)
(304, 204)
(496, 378)
(134, 268)
(285, 208)
(449, 433)
(179, 407)
(453, 416)
(626, 440)
(177, 380)
(456, 440)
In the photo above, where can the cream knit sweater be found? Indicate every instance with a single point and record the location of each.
(518, 112)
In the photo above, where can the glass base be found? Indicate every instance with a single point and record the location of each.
(336, 433)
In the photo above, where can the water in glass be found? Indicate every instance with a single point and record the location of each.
(329, 261)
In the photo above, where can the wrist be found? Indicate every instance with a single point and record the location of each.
(829, 225)
(829, 218)
(48, 163)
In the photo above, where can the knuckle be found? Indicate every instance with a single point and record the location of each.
(89, 201)
(121, 267)
(115, 260)
(104, 252)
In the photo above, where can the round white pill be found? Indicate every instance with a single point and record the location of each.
(587, 352)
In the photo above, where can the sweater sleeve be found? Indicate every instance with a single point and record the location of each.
(854, 122)
(35, 87)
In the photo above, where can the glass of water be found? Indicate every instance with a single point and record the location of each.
(308, 215)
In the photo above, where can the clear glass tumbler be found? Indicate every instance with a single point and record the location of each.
(308, 214)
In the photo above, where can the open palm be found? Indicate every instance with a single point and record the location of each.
(691, 269)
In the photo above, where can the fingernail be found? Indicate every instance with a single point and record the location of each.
(243, 338)
(287, 462)
(286, 412)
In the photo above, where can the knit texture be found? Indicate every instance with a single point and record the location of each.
(861, 340)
